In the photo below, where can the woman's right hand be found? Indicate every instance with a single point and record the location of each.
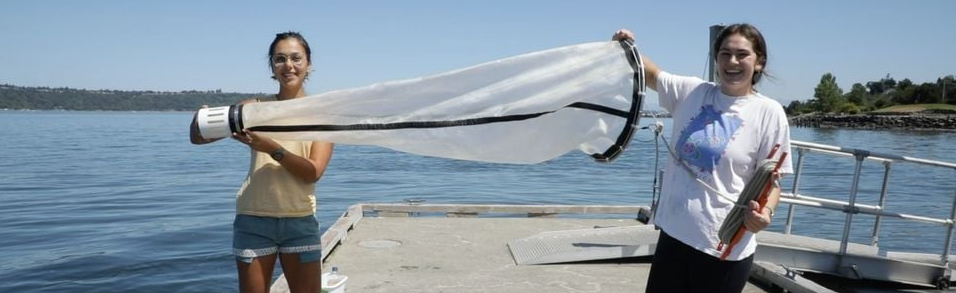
(650, 69)
(623, 34)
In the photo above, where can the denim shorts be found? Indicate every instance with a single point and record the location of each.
(254, 236)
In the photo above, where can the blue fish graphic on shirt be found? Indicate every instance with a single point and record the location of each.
(704, 140)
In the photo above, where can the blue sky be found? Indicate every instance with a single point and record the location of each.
(212, 44)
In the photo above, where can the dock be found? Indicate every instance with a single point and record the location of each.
(465, 248)
(481, 248)
(424, 247)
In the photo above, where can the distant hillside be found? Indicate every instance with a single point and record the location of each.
(45, 98)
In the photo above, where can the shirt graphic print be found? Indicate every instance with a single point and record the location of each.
(704, 141)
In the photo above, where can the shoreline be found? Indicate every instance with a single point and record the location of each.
(916, 121)
(895, 121)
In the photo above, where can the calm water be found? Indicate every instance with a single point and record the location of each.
(121, 202)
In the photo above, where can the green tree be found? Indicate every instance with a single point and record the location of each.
(904, 93)
(947, 89)
(875, 88)
(857, 94)
(45, 98)
(796, 108)
(849, 108)
(882, 102)
(888, 82)
(882, 86)
(927, 93)
(828, 93)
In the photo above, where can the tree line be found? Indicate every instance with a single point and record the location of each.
(62, 98)
(828, 97)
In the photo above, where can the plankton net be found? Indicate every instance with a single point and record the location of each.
(524, 109)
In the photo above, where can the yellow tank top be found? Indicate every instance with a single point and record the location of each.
(271, 191)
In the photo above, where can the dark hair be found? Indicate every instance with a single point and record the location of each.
(753, 35)
(289, 35)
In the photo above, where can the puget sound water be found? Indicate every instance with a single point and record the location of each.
(122, 202)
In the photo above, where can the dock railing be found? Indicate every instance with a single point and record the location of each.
(851, 207)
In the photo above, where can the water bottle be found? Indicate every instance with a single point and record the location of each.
(334, 277)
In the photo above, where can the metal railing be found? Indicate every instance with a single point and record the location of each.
(851, 206)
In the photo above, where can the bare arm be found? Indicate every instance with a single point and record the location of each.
(309, 168)
(650, 68)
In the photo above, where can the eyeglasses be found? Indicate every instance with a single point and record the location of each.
(280, 60)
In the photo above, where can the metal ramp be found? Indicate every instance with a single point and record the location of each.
(785, 278)
(778, 257)
(801, 253)
(584, 245)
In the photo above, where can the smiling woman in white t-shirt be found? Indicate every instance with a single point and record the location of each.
(722, 131)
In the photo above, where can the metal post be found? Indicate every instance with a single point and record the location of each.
(875, 239)
(851, 209)
(796, 184)
(711, 64)
(944, 259)
(659, 186)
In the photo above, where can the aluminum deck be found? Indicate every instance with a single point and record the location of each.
(477, 248)
(457, 252)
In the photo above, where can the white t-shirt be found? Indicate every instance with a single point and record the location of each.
(721, 139)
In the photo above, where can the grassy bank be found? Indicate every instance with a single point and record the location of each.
(916, 108)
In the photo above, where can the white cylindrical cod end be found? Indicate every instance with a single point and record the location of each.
(213, 122)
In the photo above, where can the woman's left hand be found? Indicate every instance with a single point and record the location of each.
(256, 142)
(758, 218)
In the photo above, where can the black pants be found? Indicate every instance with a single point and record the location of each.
(677, 267)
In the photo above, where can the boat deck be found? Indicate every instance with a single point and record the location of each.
(528, 248)
(471, 255)
(458, 252)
